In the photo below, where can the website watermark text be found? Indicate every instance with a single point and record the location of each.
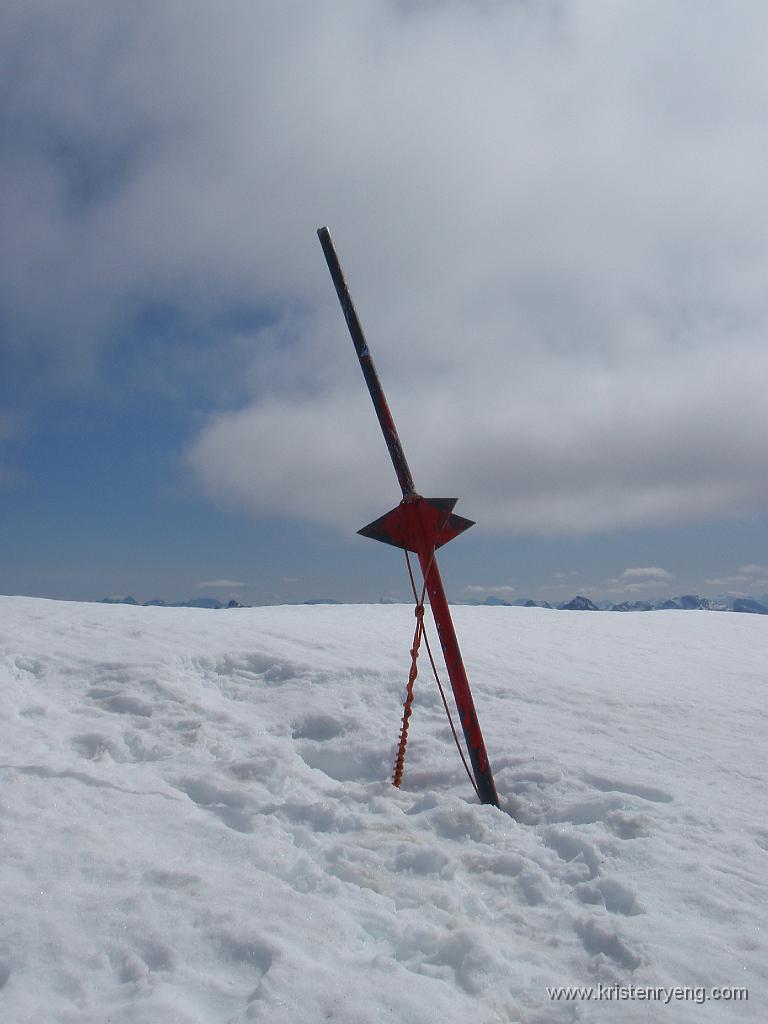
(664, 994)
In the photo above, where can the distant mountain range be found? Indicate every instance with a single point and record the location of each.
(158, 602)
(196, 602)
(687, 602)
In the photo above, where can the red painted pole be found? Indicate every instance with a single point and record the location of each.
(486, 787)
(421, 525)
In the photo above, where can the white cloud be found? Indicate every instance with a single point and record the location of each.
(651, 572)
(8, 475)
(753, 570)
(221, 584)
(615, 587)
(475, 588)
(548, 214)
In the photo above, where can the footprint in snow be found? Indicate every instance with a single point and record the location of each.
(626, 825)
(32, 666)
(248, 960)
(610, 810)
(119, 702)
(587, 812)
(576, 850)
(651, 793)
(345, 765)
(94, 746)
(135, 965)
(597, 938)
(610, 893)
(318, 727)
(228, 805)
(170, 879)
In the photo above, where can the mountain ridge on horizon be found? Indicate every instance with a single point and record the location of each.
(684, 602)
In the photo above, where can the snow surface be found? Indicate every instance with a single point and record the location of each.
(197, 824)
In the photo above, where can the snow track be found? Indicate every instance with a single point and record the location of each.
(197, 824)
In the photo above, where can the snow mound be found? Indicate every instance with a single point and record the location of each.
(197, 824)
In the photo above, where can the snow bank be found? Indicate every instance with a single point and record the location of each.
(197, 824)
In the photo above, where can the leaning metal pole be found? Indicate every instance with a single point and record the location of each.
(420, 525)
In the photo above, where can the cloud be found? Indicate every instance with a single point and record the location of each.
(221, 584)
(476, 588)
(651, 572)
(547, 215)
(754, 570)
(9, 475)
(624, 586)
(617, 587)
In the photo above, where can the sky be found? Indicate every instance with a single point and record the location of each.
(552, 220)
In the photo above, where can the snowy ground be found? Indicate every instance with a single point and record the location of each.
(197, 826)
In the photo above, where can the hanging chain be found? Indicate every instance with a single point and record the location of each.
(420, 633)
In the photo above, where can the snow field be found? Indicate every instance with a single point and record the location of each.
(197, 824)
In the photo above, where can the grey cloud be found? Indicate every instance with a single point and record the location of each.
(8, 429)
(222, 584)
(599, 461)
(549, 215)
(477, 588)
